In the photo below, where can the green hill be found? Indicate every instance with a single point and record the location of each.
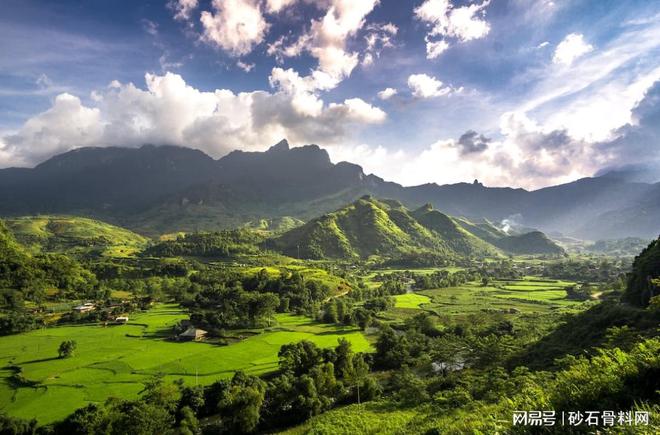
(448, 229)
(531, 243)
(379, 227)
(74, 235)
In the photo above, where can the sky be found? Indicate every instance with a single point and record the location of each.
(522, 93)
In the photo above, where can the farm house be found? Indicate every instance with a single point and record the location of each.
(192, 334)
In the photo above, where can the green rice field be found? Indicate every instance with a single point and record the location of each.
(117, 360)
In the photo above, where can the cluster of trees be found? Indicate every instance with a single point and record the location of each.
(417, 259)
(221, 299)
(643, 282)
(221, 244)
(220, 307)
(444, 279)
(348, 311)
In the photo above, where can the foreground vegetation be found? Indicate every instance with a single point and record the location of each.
(323, 346)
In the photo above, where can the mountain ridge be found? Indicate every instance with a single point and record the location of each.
(167, 188)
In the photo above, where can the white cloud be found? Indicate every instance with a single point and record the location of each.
(424, 86)
(327, 37)
(570, 48)
(150, 27)
(387, 93)
(543, 44)
(379, 37)
(595, 95)
(525, 155)
(275, 6)
(464, 23)
(66, 122)
(435, 49)
(235, 26)
(247, 67)
(169, 111)
(183, 8)
(359, 110)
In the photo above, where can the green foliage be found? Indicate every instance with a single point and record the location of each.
(67, 348)
(221, 244)
(76, 236)
(24, 277)
(17, 426)
(239, 403)
(646, 267)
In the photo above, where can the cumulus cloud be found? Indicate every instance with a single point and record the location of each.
(464, 23)
(183, 8)
(169, 111)
(327, 37)
(424, 86)
(387, 93)
(572, 47)
(275, 6)
(435, 49)
(68, 121)
(235, 26)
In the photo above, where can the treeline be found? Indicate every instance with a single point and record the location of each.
(232, 300)
(221, 244)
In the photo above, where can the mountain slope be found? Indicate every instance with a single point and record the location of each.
(457, 238)
(369, 227)
(527, 243)
(74, 235)
(365, 227)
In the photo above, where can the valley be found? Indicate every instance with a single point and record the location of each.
(285, 311)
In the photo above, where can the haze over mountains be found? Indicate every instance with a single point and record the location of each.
(156, 189)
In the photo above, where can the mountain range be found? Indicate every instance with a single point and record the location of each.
(158, 189)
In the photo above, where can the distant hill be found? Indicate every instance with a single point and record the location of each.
(628, 246)
(529, 243)
(162, 189)
(74, 235)
(382, 227)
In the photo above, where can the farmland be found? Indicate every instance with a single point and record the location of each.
(117, 360)
(410, 300)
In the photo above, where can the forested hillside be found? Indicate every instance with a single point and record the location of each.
(385, 227)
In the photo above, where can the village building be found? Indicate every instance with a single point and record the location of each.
(192, 334)
(85, 308)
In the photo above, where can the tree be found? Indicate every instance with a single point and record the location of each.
(240, 403)
(67, 348)
(300, 357)
(356, 372)
(646, 268)
(188, 425)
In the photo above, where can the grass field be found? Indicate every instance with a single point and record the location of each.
(410, 300)
(117, 360)
(529, 295)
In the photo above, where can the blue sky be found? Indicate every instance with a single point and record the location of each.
(521, 92)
